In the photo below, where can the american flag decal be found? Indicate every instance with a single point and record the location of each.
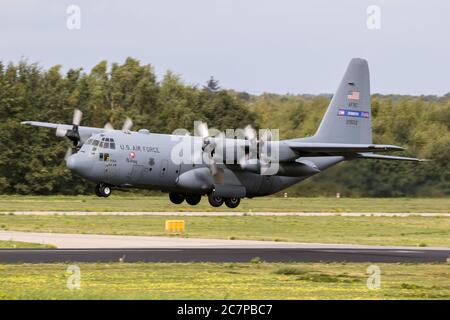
(353, 95)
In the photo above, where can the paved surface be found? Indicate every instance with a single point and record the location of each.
(227, 213)
(221, 255)
(106, 248)
(98, 241)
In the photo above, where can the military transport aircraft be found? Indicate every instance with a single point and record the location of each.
(119, 159)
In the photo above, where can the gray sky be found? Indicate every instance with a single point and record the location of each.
(253, 45)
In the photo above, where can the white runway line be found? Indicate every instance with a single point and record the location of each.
(225, 213)
(91, 241)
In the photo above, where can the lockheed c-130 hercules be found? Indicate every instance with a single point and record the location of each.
(226, 169)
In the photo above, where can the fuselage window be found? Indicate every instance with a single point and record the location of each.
(112, 145)
(106, 145)
(89, 142)
(101, 145)
(95, 143)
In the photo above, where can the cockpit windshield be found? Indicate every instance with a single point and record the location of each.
(97, 143)
(105, 143)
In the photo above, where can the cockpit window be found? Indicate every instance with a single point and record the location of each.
(108, 143)
(105, 143)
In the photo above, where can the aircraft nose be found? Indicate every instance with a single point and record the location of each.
(79, 164)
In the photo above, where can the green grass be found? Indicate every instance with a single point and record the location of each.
(18, 244)
(121, 202)
(409, 231)
(225, 281)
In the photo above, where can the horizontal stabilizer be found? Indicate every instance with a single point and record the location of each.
(384, 157)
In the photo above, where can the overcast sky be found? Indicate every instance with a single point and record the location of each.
(258, 46)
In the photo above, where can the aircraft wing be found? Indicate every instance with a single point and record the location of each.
(85, 132)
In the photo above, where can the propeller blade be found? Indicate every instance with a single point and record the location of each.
(60, 131)
(127, 124)
(68, 153)
(250, 133)
(202, 129)
(108, 126)
(77, 114)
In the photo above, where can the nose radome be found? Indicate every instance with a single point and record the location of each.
(79, 164)
(71, 162)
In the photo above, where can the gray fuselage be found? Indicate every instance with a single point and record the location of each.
(143, 160)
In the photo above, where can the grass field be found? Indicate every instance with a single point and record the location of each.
(225, 281)
(267, 204)
(409, 231)
(18, 244)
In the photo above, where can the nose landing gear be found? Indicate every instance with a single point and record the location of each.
(103, 190)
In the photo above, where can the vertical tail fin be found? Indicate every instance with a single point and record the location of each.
(348, 117)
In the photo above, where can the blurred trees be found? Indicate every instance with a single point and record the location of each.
(31, 159)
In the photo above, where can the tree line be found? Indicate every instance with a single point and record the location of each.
(32, 160)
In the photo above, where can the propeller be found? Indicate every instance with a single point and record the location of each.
(265, 150)
(108, 126)
(257, 158)
(72, 134)
(250, 135)
(68, 154)
(208, 148)
(127, 124)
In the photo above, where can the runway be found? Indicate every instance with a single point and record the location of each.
(222, 255)
(227, 213)
(115, 248)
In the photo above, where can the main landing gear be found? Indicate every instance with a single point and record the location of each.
(178, 198)
(216, 201)
(103, 190)
(194, 199)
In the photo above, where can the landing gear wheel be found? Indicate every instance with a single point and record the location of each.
(232, 202)
(176, 197)
(103, 190)
(215, 201)
(193, 199)
(97, 191)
